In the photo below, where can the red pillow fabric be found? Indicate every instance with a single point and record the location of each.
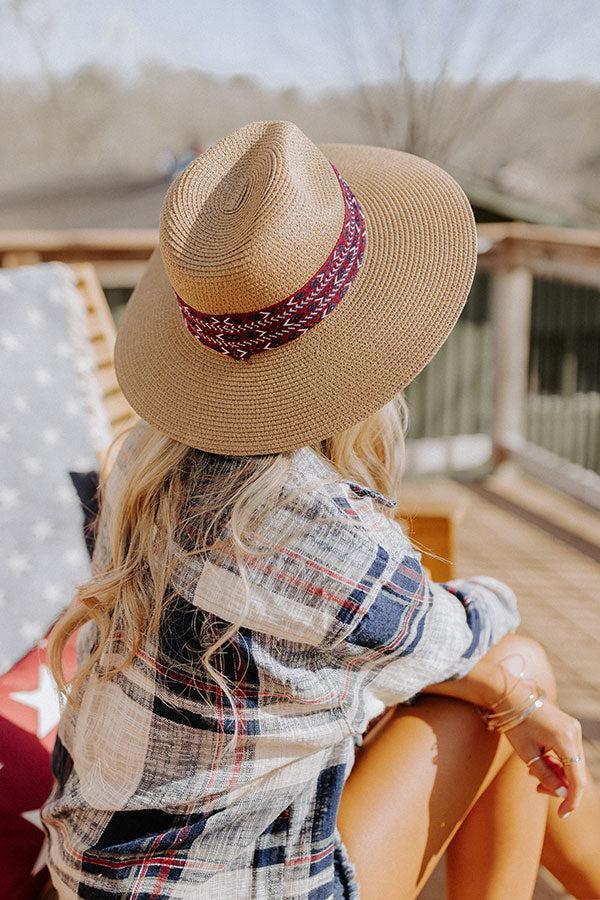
(29, 713)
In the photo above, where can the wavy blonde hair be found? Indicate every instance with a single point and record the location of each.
(171, 489)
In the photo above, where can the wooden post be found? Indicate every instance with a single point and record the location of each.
(510, 297)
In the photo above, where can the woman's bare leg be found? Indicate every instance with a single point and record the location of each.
(571, 848)
(495, 853)
(413, 784)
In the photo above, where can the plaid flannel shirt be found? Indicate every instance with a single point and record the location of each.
(154, 798)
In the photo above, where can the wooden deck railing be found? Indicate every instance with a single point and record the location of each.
(118, 255)
(545, 319)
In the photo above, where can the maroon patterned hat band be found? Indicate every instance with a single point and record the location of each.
(241, 334)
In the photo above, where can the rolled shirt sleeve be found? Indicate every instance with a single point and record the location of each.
(413, 632)
(491, 610)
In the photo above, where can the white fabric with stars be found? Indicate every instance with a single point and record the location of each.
(51, 422)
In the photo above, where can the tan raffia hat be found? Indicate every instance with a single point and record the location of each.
(296, 289)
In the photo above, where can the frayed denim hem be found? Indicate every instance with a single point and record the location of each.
(346, 883)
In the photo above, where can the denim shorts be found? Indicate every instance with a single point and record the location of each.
(345, 884)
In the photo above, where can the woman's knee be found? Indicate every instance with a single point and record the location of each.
(536, 663)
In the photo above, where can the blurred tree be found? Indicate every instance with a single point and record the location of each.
(34, 20)
(456, 86)
(446, 79)
(91, 93)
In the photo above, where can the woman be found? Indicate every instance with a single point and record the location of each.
(254, 605)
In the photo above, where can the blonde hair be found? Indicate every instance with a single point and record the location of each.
(170, 490)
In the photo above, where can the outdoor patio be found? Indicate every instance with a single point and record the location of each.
(487, 404)
(201, 138)
(547, 547)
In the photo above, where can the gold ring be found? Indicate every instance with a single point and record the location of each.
(569, 760)
(534, 759)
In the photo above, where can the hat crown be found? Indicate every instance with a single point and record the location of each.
(251, 220)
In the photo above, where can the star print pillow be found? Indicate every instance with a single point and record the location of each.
(51, 423)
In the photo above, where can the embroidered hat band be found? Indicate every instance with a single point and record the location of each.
(241, 334)
(349, 264)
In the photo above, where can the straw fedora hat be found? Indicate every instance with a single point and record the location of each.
(295, 290)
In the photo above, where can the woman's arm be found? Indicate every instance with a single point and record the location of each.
(549, 728)
(490, 677)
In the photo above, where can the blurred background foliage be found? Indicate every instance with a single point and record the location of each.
(506, 95)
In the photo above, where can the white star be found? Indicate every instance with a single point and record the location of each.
(35, 818)
(56, 295)
(51, 436)
(18, 563)
(4, 431)
(65, 495)
(34, 317)
(64, 350)
(72, 407)
(83, 462)
(43, 377)
(53, 594)
(30, 630)
(42, 529)
(21, 403)
(44, 700)
(73, 557)
(9, 341)
(8, 497)
(33, 465)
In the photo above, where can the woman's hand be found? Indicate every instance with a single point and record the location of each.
(545, 729)
(549, 728)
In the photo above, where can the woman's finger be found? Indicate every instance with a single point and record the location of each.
(549, 777)
(573, 761)
(542, 790)
(557, 767)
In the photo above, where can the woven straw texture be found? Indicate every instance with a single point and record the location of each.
(246, 225)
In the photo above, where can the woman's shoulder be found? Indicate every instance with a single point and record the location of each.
(355, 506)
(306, 462)
(317, 553)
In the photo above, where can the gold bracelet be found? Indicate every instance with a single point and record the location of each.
(520, 717)
(519, 676)
(513, 713)
(511, 709)
(507, 715)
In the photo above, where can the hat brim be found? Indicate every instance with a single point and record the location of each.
(417, 272)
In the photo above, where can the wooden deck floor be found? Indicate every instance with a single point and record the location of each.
(547, 548)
